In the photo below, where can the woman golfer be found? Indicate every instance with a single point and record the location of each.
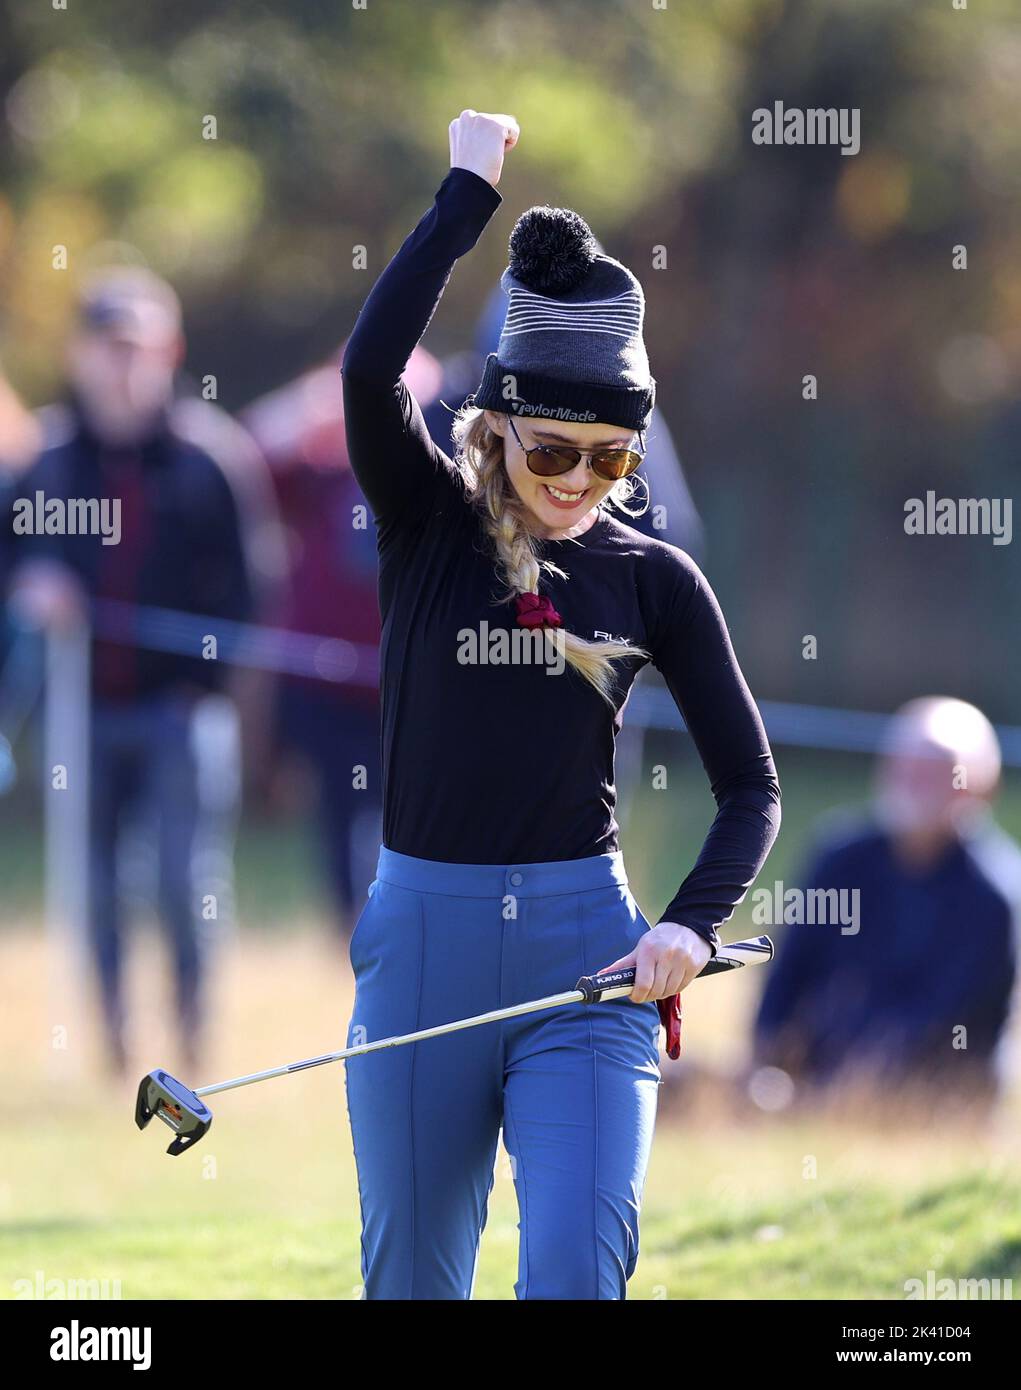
(517, 611)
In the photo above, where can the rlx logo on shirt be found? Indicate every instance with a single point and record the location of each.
(609, 637)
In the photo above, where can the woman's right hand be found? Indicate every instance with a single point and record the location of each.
(479, 142)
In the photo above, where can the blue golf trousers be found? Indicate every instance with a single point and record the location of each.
(574, 1088)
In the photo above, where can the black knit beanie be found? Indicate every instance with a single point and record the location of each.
(571, 346)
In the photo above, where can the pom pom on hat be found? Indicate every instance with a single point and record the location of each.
(551, 250)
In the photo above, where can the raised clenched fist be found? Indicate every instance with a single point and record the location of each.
(479, 141)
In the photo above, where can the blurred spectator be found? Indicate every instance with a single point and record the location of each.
(163, 737)
(332, 727)
(20, 436)
(19, 432)
(917, 999)
(19, 443)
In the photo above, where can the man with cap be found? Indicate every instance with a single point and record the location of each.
(178, 546)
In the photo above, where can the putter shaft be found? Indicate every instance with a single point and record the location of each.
(183, 1110)
(552, 1001)
(735, 954)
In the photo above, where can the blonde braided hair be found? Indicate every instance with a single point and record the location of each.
(479, 459)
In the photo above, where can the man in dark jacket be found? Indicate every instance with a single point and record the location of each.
(120, 513)
(912, 990)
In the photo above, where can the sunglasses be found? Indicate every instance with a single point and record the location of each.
(549, 461)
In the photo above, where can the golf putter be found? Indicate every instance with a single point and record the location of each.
(162, 1094)
(184, 1111)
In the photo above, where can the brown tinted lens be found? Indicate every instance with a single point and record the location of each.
(550, 463)
(613, 464)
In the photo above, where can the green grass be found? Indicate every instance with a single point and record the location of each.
(268, 1209)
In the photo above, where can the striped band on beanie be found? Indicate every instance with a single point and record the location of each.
(527, 312)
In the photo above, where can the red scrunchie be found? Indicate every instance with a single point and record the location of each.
(536, 610)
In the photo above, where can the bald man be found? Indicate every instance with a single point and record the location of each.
(918, 996)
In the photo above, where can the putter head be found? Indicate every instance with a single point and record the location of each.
(161, 1094)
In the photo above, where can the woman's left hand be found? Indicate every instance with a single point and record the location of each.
(666, 960)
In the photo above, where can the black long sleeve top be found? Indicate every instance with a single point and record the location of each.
(506, 763)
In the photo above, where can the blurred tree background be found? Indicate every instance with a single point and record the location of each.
(781, 261)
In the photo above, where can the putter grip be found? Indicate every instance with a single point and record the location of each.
(595, 986)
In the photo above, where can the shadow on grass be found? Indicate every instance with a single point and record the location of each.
(969, 1185)
(747, 1223)
(49, 1227)
(999, 1261)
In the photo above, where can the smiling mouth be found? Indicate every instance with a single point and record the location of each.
(559, 495)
